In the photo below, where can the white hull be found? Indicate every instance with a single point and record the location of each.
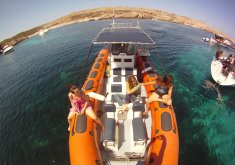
(42, 32)
(216, 72)
(206, 39)
(7, 49)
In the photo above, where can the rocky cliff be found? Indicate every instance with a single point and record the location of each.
(120, 12)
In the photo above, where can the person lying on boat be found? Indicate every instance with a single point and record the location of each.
(80, 105)
(133, 89)
(162, 93)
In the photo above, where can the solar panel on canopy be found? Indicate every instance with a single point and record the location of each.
(123, 35)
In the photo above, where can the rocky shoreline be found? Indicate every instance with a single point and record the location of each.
(107, 13)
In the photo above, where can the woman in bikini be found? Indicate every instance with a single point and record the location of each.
(80, 105)
(163, 92)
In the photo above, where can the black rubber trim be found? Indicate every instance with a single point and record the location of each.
(89, 85)
(99, 60)
(166, 121)
(81, 124)
(93, 74)
(97, 66)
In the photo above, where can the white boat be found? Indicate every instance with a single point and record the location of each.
(218, 75)
(7, 49)
(42, 32)
(222, 41)
(205, 39)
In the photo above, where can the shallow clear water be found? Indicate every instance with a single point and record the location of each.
(34, 104)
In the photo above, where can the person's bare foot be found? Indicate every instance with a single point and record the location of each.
(125, 108)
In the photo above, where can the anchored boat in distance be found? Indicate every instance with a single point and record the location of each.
(222, 41)
(223, 69)
(128, 138)
(7, 49)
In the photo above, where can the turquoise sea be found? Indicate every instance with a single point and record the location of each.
(34, 104)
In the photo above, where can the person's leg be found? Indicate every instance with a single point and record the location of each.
(89, 112)
(168, 102)
(152, 98)
(133, 98)
(118, 99)
(70, 116)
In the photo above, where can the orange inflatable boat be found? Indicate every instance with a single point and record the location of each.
(83, 144)
(129, 137)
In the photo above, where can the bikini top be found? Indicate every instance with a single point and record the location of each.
(78, 102)
(160, 90)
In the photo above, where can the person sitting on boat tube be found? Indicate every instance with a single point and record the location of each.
(133, 89)
(162, 93)
(80, 105)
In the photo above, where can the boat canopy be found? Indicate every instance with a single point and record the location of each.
(119, 34)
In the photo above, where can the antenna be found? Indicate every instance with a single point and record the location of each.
(138, 24)
(113, 12)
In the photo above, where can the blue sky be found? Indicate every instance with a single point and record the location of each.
(21, 15)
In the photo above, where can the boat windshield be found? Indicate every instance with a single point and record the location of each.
(123, 48)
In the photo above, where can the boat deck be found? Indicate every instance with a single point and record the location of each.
(124, 147)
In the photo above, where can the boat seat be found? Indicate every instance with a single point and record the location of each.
(109, 125)
(139, 127)
(123, 71)
(117, 79)
(117, 87)
(139, 130)
(110, 109)
(109, 131)
(138, 107)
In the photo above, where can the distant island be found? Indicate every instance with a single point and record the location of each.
(107, 13)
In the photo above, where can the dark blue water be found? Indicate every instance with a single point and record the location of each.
(34, 104)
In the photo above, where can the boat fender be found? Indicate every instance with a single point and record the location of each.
(146, 69)
(96, 96)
